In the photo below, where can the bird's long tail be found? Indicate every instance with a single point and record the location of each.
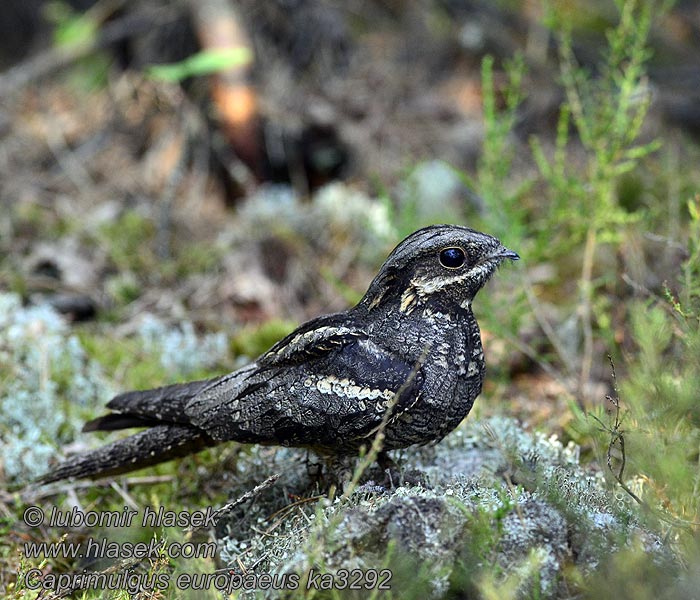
(169, 434)
(145, 448)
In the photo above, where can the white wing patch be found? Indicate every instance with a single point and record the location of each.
(346, 388)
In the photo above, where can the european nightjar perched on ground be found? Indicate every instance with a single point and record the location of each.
(408, 358)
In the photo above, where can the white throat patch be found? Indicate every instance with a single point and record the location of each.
(421, 289)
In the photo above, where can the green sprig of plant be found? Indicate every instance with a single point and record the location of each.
(204, 62)
(607, 113)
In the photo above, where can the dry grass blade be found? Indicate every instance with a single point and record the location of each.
(229, 506)
(378, 440)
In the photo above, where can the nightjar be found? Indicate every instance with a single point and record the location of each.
(407, 359)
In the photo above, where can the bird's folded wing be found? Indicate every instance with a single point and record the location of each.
(325, 385)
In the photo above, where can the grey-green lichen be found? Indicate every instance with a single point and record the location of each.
(41, 365)
(491, 500)
(49, 384)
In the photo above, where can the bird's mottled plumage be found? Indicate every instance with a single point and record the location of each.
(411, 346)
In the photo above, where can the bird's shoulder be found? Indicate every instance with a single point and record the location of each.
(313, 340)
(318, 340)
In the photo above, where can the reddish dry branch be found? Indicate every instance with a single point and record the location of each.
(218, 26)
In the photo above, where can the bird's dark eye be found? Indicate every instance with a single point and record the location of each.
(452, 258)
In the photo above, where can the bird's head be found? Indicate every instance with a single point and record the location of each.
(442, 266)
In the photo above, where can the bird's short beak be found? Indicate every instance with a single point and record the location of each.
(505, 253)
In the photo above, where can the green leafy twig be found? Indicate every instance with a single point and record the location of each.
(205, 62)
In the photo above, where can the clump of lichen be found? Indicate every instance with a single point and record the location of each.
(179, 349)
(339, 219)
(492, 504)
(47, 382)
(52, 382)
